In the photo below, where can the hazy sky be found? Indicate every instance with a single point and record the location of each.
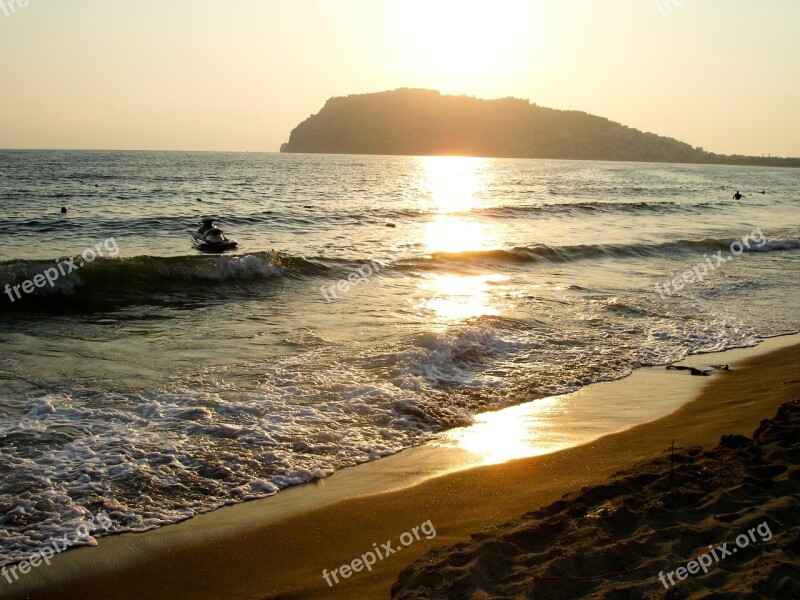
(240, 74)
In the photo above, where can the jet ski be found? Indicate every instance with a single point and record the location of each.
(210, 238)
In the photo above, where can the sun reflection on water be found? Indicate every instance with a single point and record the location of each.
(446, 233)
(452, 184)
(455, 297)
(449, 187)
(515, 432)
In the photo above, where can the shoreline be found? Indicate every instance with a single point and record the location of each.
(277, 547)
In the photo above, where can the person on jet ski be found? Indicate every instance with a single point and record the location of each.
(208, 225)
(214, 236)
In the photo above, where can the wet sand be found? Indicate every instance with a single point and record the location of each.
(279, 547)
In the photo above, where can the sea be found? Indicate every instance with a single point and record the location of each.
(373, 304)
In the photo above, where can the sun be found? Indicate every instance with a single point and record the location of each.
(457, 37)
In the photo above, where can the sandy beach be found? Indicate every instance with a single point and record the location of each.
(280, 547)
(644, 529)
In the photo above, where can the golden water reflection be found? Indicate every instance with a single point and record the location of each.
(449, 187)
(455, 234)
(451, 184)
(454, 297)
(515, 432)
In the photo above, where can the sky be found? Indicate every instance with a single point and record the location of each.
(239, 75)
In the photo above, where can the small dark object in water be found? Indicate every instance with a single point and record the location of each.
(391, 225)
(198, 199)
(63, 210)
(692, 370)
(308, 206)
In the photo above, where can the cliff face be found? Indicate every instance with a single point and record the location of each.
(424, 122)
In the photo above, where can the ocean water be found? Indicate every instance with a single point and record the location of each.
(154, 382)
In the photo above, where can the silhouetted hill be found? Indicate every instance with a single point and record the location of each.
(424, 122)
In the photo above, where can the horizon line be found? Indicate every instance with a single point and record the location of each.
(766, 157)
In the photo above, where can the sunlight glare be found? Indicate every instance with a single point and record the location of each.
(510, 433)
(448, 186)
(455, 234)
(452, 184)
(455, 297)
(460, 37)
